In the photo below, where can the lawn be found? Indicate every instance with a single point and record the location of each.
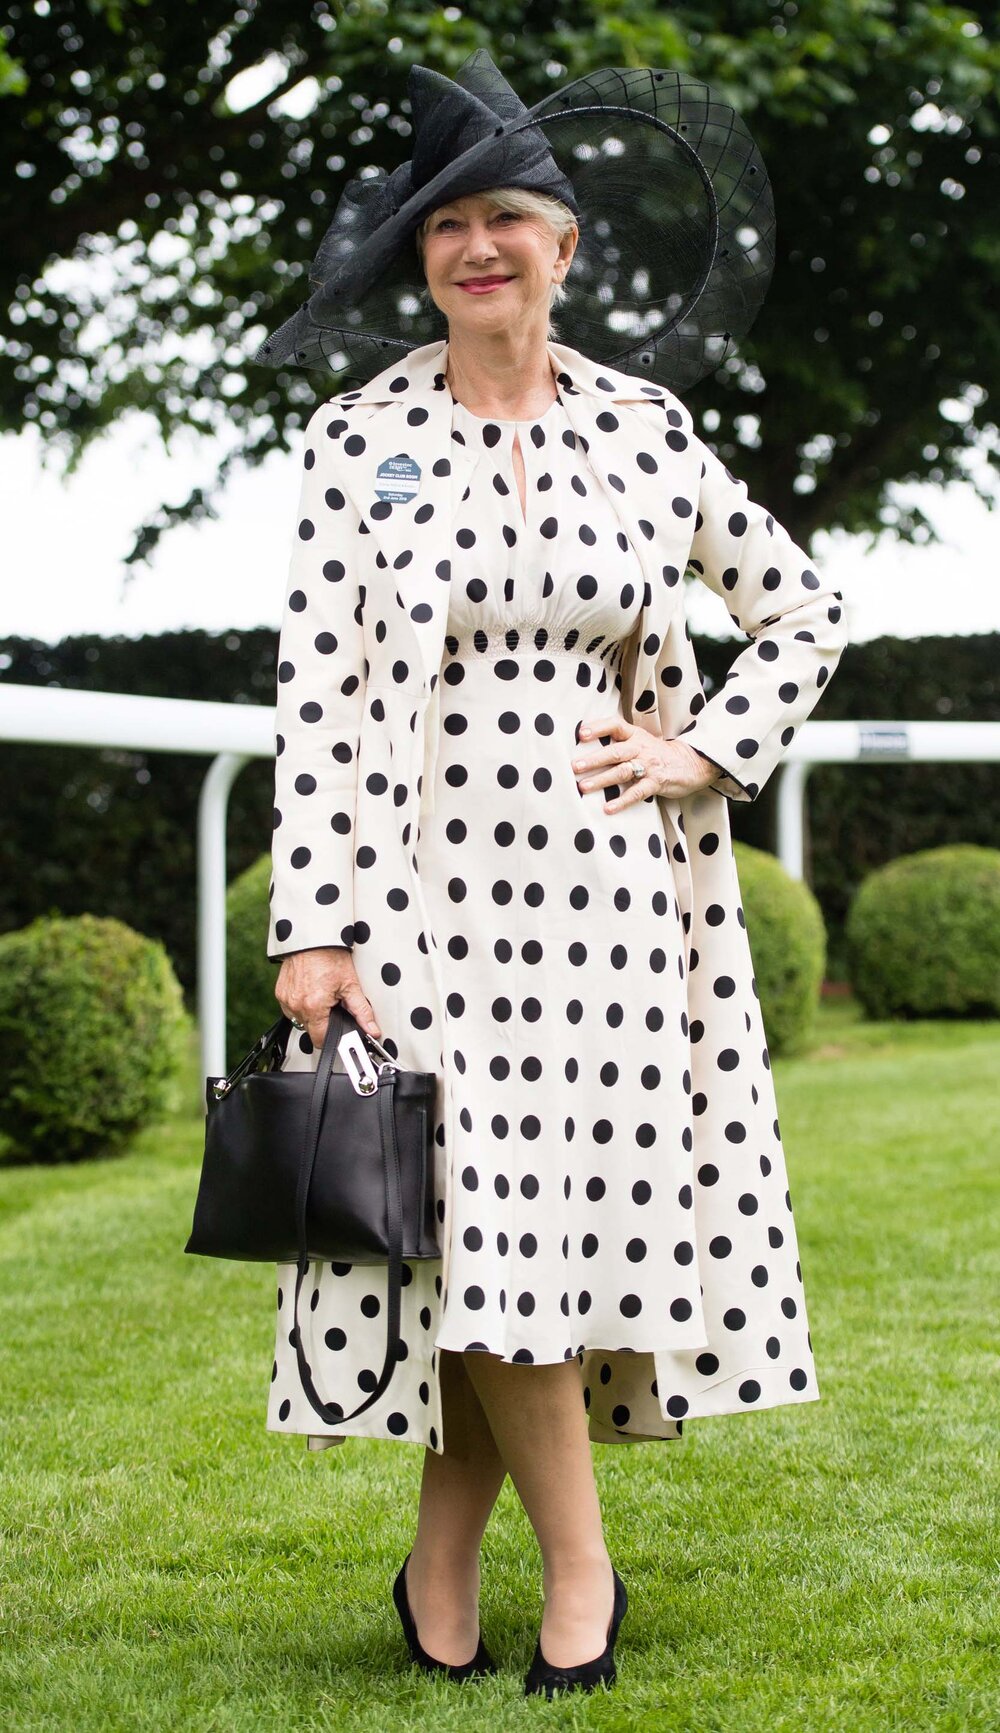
(168, 1564)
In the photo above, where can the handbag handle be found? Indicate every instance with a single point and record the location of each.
(276, 1037)
(274, 1041)
(394, 1216)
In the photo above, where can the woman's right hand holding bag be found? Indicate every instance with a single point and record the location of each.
(311, 982)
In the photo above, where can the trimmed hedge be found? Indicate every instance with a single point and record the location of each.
(923, 935)
(787, 944)
(251, 1006)
(92, 1036)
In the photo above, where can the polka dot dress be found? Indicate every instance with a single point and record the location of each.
(609, 1173)
(557, 924)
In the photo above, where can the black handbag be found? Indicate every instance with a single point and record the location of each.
(327, 1165)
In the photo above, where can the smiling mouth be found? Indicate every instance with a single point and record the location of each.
(484, 282)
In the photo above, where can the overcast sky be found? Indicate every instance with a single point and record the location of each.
(64, 542)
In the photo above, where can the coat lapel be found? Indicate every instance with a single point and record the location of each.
(410, 417)
(405, 412)
(633, 438)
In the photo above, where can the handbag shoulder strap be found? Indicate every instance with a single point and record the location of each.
(331, 1412)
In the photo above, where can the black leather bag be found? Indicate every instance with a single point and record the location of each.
(329, 1164)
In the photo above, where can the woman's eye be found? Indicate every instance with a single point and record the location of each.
(448, 222)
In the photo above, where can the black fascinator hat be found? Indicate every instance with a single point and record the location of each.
(673, 202)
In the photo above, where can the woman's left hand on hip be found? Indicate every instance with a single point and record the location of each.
(671, 766)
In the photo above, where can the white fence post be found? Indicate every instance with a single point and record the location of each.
(213, 806)
(791, 814)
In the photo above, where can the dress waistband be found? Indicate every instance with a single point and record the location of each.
(527, 638)
(520, 638)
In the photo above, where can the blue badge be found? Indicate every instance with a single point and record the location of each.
(397, 479)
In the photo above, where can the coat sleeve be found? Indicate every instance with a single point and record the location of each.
(320, 701)
(795, 621)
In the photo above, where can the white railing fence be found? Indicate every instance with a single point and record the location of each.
(231, 734)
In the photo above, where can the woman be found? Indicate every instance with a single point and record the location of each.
(502, 835)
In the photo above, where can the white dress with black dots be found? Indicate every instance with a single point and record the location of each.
(557, 926)
(609, 1177)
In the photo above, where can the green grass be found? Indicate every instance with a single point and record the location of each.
(168, 1564)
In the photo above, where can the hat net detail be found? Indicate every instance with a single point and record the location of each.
(673, 202)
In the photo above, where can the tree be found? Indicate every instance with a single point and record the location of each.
(170, 169)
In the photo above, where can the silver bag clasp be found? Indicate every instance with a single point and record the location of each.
(358, 1063)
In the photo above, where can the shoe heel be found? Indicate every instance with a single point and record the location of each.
(541, 1677)
(482, 1661)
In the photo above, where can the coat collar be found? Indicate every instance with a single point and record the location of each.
(407, 410)
(423, 369)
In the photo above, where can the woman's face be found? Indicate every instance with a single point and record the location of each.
(470, 242)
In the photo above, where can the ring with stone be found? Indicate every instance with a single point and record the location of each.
(637, 767)
(296, 1024)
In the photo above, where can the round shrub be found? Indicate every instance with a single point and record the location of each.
(251, 1006)
(92, 1035)
(923, 935)
(787, 944)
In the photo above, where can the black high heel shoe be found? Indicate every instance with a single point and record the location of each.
(482, 1661)
(543, 1677)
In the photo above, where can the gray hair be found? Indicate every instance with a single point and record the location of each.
(558, 217)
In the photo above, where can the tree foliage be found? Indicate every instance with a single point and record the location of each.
(170, 169)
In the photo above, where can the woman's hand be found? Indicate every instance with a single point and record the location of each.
(672, 767)
(310, 982)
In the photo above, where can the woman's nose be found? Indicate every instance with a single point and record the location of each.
(480, 243)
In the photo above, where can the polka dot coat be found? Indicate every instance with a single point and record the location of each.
(610, 1181)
